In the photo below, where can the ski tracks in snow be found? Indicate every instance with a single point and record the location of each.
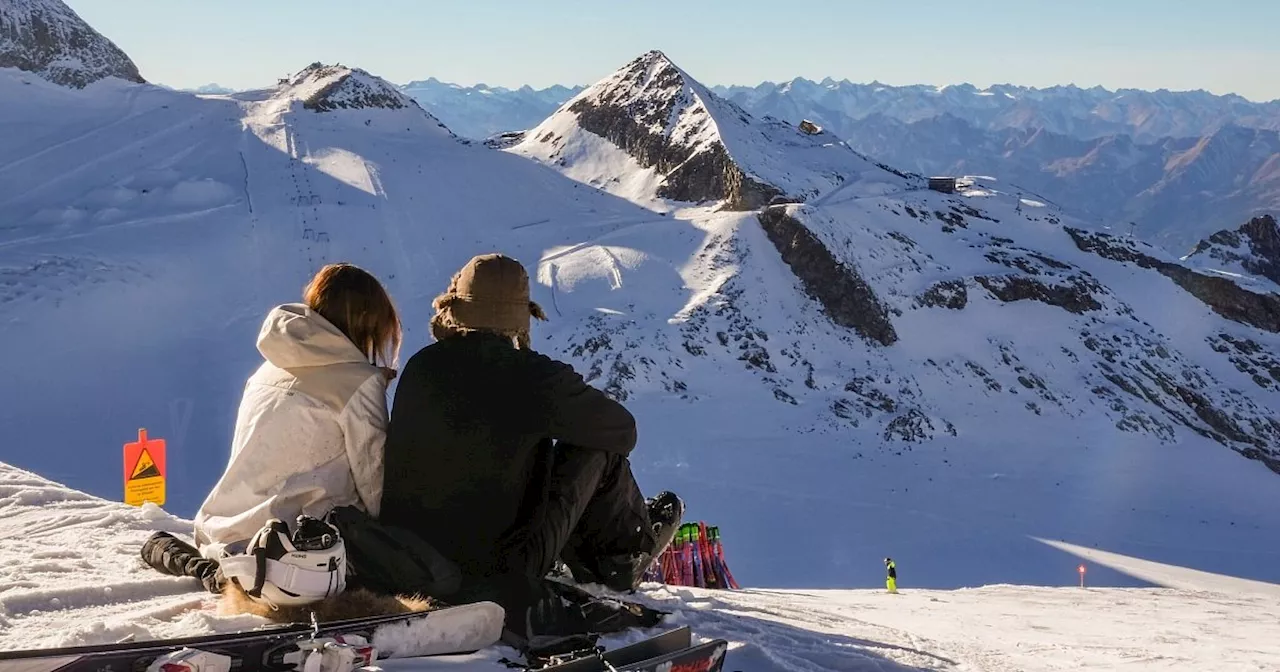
(127, 117)
(183, 124)
(72, 574)
(393, 223)
(782, 632)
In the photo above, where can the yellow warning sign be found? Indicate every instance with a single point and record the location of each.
(144, 471)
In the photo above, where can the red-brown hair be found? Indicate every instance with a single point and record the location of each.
(356, 303)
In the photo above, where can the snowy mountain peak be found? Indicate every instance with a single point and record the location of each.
(48, 38)
(657, 94)
(671, 138)
(324, 88)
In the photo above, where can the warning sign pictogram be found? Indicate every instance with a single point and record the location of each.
(144, 471)
(146, 467)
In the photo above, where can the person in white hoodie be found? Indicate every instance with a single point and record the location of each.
(310, 428)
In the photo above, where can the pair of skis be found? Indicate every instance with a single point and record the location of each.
(346, 646)
(337, 646)
(672, 651)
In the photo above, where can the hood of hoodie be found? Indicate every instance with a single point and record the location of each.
(295, 336)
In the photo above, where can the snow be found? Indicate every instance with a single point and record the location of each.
(588, 158)
(71, 576)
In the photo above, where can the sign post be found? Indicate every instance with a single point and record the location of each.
(144, 471)
(1081, 570)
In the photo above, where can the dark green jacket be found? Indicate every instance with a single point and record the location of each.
(472, 427)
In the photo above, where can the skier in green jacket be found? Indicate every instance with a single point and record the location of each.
(892, 580)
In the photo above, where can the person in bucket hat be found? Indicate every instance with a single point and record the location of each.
(507, 460)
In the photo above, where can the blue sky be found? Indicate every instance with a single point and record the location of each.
(1221, 46)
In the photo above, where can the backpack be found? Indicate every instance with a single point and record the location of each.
(390, 560)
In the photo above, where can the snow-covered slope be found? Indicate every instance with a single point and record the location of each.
(48, 38)
(70, 575)
(674, 139)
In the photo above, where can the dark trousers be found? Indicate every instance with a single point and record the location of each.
(593, 517)
(168, 554)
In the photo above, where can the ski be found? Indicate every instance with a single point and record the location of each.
(670, 652)
(707, 657)
(652, 647)
(342, 645)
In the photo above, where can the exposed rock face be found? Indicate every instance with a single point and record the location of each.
(335, 89)
(1075, 296)
(640, 127)
(847, 298)
(1263, 235)
(1147, 372)
(947, 294)
(505, 140)
(1249, 357)
(1225, 297)
(1228, 299)
(699, 147)
(324, 88)
(1255, 247)
(47, 38)
(914, 425)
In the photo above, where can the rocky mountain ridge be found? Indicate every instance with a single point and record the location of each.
(891, 271)
(693, 145)
(47, 38)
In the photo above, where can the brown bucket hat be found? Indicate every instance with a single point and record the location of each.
(489, 293)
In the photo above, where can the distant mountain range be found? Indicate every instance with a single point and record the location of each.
(1174, 166)
(1147, 116)
(1176, 191)
(481, 111)
(210, 88)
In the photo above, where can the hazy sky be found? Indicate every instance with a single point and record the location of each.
(1220, 45)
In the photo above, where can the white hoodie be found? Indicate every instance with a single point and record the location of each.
(309, 433)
